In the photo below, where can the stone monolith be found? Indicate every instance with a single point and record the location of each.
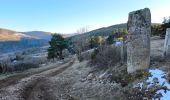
(166, 43)
(138, 46)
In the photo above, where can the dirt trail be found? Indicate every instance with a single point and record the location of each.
(40, 85)
(26, 86)
(15, 78)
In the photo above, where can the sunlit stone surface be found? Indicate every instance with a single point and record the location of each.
(138, 46)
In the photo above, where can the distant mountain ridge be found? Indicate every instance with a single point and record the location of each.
(10, 35)
(13, 41)
(39, 34)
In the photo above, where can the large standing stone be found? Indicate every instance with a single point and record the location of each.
(138, 46)
(166, 43)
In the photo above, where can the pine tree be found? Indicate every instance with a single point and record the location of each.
(57, 44)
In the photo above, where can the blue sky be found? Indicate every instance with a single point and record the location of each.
(67, 16)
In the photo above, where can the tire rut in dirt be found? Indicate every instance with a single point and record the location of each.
(11, 80)
(61, 69)
(14, 79)
(39, 89)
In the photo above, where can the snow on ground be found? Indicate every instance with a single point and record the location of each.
(160, 75)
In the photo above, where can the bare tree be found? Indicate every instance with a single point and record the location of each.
(81, 42)
(83, 30)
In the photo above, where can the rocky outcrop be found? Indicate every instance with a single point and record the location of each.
(138, 46)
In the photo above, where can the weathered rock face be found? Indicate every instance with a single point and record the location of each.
(138, 46)
(166, 43)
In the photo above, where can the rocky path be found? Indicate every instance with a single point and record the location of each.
(33, 85)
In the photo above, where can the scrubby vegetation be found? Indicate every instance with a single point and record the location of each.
(14, 46)
(106, 56)
(121, 76)
(19, 66)
(23, 60)
(165, 25)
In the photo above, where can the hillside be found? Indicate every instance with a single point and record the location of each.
(104, 31)
(10, 35)
(39, 34)
(13, 41)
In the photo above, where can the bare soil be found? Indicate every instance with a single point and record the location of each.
(25, 86)
(157, 61)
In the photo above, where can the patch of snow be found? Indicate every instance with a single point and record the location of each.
(160, 75)
(14, 61)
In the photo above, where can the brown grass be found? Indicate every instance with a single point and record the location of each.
(8, 35)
